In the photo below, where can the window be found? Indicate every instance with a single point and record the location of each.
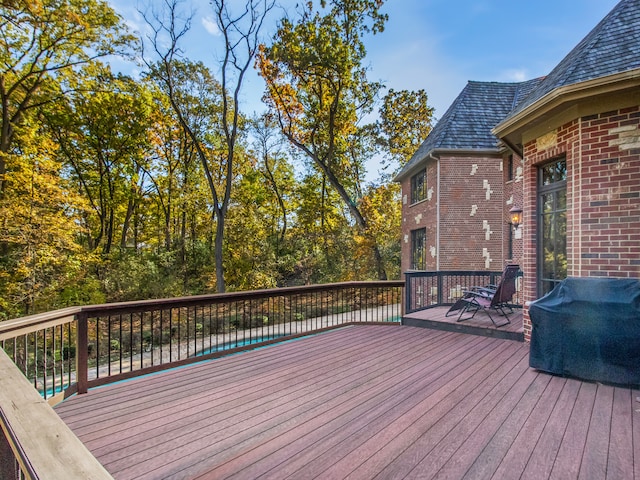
(510, 168)
(419, 249)
(552, 225)
(419, 187)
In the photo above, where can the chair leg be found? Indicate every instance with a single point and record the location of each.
(504, 314)
(475, 310)
(469, 307)
(474, 307)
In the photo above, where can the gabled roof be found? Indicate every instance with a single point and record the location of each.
(612, 47)
(467, 123)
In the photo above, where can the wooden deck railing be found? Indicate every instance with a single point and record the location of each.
(35, 443)
(435, 289)
(68, 351)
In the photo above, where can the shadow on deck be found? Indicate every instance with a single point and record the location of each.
(435, 318)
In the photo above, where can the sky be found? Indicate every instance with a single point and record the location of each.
(435, 45)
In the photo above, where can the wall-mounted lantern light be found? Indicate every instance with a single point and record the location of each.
(515, 214)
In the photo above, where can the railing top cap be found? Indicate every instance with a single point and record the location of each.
(142, 305)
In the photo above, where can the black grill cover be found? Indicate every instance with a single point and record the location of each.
(588, 328)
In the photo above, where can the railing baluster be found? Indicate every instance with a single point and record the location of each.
(170, 335)
(141, 340)
(109, 347)
(131, 342)
(202, 329)
(53, 363)
(180, 335)
(150, 337)
(70, 344)
(97, 346)
(187, 331)
(44, 360)
(217, 325)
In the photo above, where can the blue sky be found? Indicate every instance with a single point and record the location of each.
(438, 45)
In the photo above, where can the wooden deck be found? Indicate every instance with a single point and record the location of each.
(480, 324)
(363, 402)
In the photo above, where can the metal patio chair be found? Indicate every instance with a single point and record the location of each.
(490, 297)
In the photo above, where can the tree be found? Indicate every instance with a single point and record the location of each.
(102, 132)
(405, 121)
(318, 89)
(240, 32)
(274, 167)
(382, 208)
(41, 39)
(39, 221)
(176, 177)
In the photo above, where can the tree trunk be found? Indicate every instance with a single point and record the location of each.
(218, 244)
(126, 223)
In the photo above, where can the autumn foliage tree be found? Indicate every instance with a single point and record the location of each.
(318, 89)
(39, 214)
(41, 39)
(117, 187)
(240, 30)
(405, 121)
(101, 129)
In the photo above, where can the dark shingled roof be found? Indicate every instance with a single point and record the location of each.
(467, 123)
(613, 46)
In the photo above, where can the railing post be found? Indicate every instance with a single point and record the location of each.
(82, 356)
(407, 292)
(440, 285)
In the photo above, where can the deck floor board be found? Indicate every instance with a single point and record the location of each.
(362, 402)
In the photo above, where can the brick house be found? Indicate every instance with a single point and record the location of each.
(459, 186)
(572, 140)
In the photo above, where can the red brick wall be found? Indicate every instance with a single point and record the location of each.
(603, 196)
(471, 213)
(467, 217)
(610, 195)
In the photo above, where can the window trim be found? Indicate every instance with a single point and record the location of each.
(542, 189)
(414, 241)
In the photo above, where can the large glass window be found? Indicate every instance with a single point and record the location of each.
(552, 225)
(419, 187)
(419, 249)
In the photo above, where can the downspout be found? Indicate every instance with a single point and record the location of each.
(577, 187)
(437, 160)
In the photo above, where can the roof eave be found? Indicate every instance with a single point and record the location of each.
(565, 94)
(437, 152)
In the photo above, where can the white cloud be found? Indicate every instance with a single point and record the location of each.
(210, 26)
(514, 75)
